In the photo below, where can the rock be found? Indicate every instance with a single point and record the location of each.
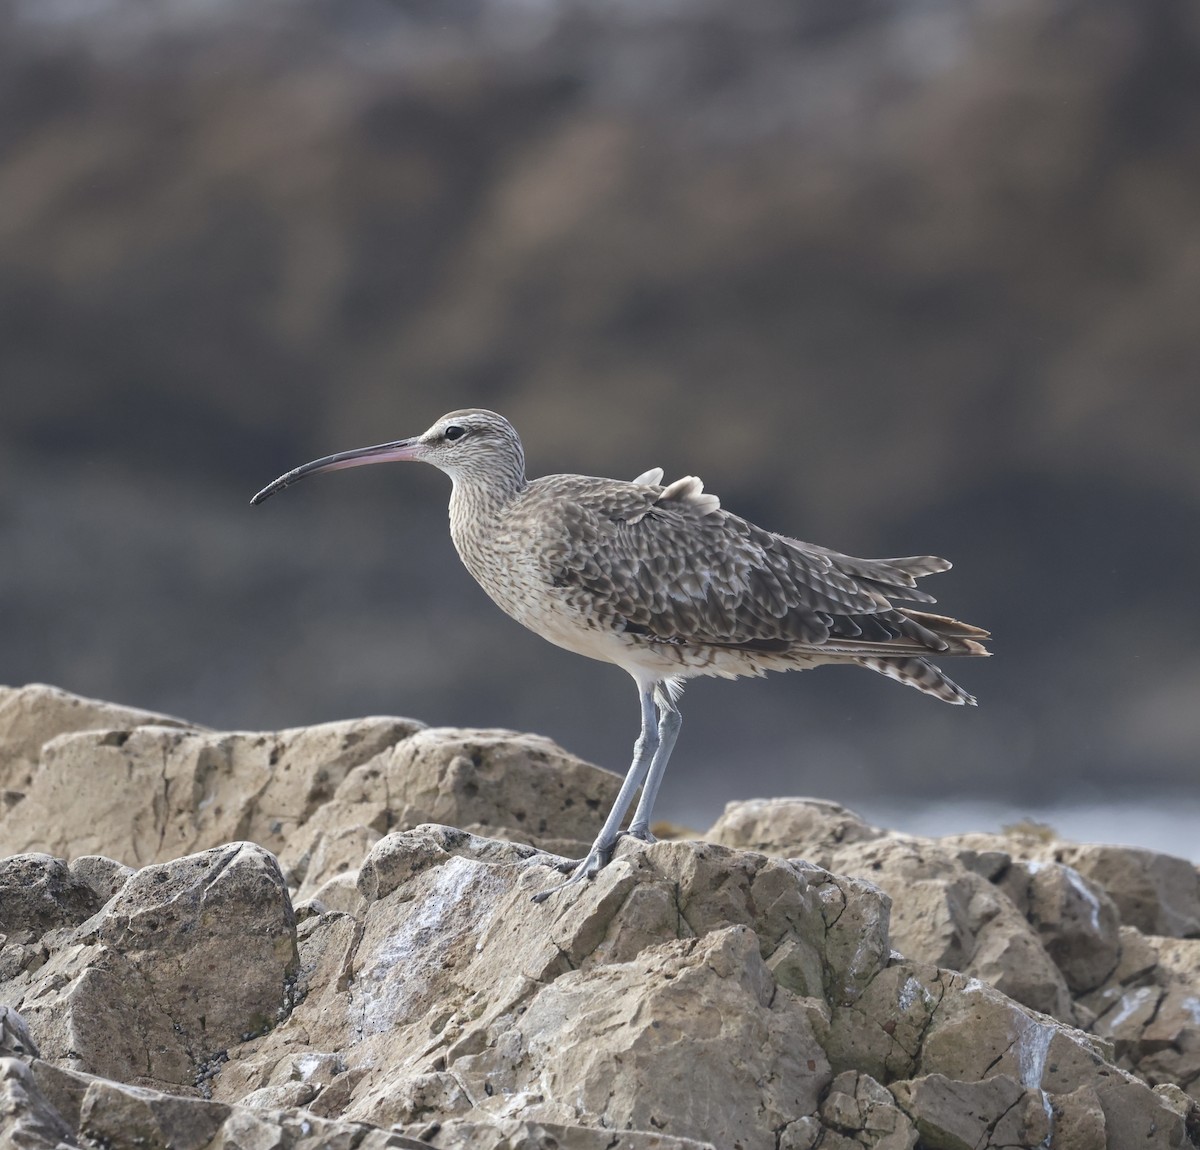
(695, 994)
(109, 781)
(191, 957)
(27, 1119)
(1135, 1116)
(1035, 927)
(331, 855)
(866, 1113)
(950, 916)
(38, 893)
(663, 962)
(1159, 894)
(514, 1134)
(1152, 1015)
(1076, 921)
(151, 793)
(881, 1034)
(339, 893)
(31, 716)
(789, 826)
(996, 1111)
(730, 1055)
(104, 875)
(112, 1114)
(494, 783)
(15, 1039)
(977, 1031)
(122, 1117)
(1078, 1121)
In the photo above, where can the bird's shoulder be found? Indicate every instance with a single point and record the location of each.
(609, 505)
(645, 532)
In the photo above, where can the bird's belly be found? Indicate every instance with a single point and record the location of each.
(547, 613)
(560, 623)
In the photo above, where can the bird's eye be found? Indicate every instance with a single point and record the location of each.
(454, 432)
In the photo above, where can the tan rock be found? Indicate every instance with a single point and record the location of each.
(856, 915)
(32, 715)
(495, 783)
(1124, 1021)
(28, 1120)
(191, 957)
(15, 1039)
(153, 793)
(694, 994)
(977, 1031)
(995, 1111)
(1159, 894)
(651, 984)
(1150, 1009)
(946, 909)
(38, 893)
(339, 893)
(989, 856)
(1135, 1116)
(947, 915)
(790, 827)
(1075, 920)
(692, 1038)
(1170, 1042)
(1139, 957)
(113, 1114)
(513, 1134)
(331, 854)
(1078, 1121)
(882, 1032)
(104, 875)
(859, 1108)
(807, 1133)
(122, 1117)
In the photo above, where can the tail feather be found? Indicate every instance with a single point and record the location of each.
(949, 636)
(893, 578)
(923, 675)
(918, 565)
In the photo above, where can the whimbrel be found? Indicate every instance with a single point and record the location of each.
(666, 584)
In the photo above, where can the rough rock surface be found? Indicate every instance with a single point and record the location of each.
(361, 975)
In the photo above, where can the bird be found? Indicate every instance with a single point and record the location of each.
(662, 581)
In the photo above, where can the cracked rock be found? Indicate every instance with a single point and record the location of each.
(695, 994)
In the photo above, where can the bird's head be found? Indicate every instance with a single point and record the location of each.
(472, 446)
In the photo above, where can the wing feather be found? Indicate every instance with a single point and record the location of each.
(670, 564)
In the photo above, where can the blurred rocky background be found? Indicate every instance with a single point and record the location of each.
(895, 277)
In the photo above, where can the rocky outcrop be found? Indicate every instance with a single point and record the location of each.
(365, 976)
(144, 788)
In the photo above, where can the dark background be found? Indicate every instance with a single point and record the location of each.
(895, 277)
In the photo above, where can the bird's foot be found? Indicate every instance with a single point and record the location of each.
(641, 832)
(563, 866)
(579, 871)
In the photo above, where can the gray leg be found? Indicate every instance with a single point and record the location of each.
(644, 754)
(670, 720)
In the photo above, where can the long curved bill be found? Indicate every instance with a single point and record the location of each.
(360, 457)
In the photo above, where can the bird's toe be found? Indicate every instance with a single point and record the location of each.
(580, 871)
(562, 865)
(642, 834)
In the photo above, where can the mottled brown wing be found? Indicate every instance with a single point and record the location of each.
(669, 564)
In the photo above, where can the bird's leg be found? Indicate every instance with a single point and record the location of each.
(669, 722)
(644, 752)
